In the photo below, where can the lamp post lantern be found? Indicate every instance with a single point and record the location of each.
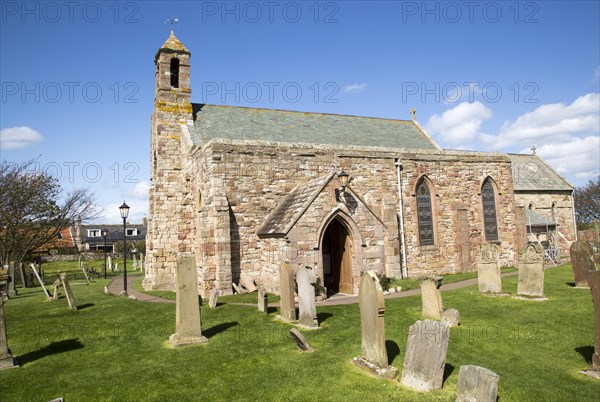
(124, 210)
(104, 234)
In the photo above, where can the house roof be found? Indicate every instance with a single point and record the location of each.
(243, 123)
(534, 219)
(115, 233)
(530, 173)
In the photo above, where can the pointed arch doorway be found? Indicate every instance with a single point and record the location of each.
(337, 258)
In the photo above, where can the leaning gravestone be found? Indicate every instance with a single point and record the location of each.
(214, 297)
(301, 341)
(476, 384)
(488, 270)
(287, 307)
(188, 329)
(85, 274)
(68, 291)
(247, 282)
(40, 281)
(12, 292)
(263, 301)
(6, 358)
(531, 271)
(306, 296)
(431, 297)
(372, 309)
(582, 262)
(425, 357)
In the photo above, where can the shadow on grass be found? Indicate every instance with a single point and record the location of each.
(587, 353)
(52, 349)
(84, 306)
(571, 284)
(448, 370)
(217, 329)
(322, 317)
(271, 310)
(392, 350)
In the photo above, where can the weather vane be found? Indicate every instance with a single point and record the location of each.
(172, 21)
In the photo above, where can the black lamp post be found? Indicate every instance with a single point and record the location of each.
(104, 234)
(124, 209)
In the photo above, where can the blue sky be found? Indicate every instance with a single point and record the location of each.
(78, 78)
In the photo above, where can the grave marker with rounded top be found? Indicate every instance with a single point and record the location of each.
(68, 291)
(287, 307)
(214, 297)
(431, 297)
(476, 384)
(488, 269)
(581, 262)
(531, 271)
(187, 322)
(372, 309)
(263, 301)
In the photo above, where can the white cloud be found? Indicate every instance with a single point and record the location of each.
(141, 190)
(567, 135)
(355, 87)
(110, 212)
(19, 137)
(460, 127)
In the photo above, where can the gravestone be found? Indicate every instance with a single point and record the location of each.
(263, 301)
(6, 358)
(451, 317)
(214, 297)
(431, 297)
(247, 282)
(142, 262)
(301, 341)
(22, 275)
(425, 357)
(372, 309)
(12, 292)
(87, 279)
(188, 329)
(287, 307)
(135, 263)
(488, 269)
(594, 282)
(57, 284)
(109, 263)
(306, 299)
(476, 384)
(68, 291)
(41, 281)
(581, 262)
(531, 271)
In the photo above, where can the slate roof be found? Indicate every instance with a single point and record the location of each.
(531, 173)
(243, 123)
(290, 209)
(115, 233)
(535, 219)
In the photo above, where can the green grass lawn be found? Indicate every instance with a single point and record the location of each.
(116, 348)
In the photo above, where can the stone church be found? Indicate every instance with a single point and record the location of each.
(247, 189)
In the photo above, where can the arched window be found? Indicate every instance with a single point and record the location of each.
(490, 224)
(175, 73)
(424, 214)
(531, 206)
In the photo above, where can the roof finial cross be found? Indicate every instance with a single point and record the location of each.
(413, 111)
(533, 148)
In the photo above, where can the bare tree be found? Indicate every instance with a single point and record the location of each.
(34, 209)
(587, 202)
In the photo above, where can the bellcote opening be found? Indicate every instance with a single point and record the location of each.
(174, 73)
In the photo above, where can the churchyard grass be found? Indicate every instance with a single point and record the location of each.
(115, 348)
(413, 283)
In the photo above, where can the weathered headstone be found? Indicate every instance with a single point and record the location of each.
(22, 275)
(57, 284)
(263, 301)
(425, 357)
(431, 297)
(109, 263)
(594, 282)
(451, 317)
(372, 309)
(531, 271)
(6, 358)
(488, 269)
(85, 274)
(12, 292)
(142, 262)
(287, 307)
(247, 282)
(306, 299)
(214, 297)
(187, 322)
(68, 291)
(41, 281)
(476, 384)
(301, 341)
(135, 263)
(238, 289)
(581, 262)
